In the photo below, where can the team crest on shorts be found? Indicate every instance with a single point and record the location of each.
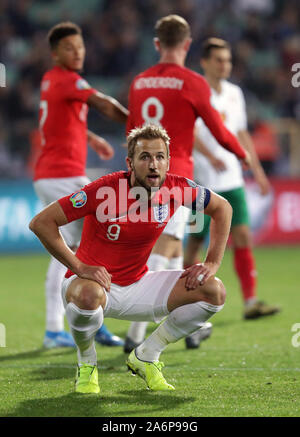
(161, 212)
(78, 199)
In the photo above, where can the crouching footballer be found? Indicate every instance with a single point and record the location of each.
(124, 214)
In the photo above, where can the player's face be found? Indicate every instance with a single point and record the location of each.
(70, 52)
(149, 164)
(219, 64)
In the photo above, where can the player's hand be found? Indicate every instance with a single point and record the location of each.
(95, 273)
(247, 162)
(218, 164)
(102, 147)
(263, 183)
(199, 274)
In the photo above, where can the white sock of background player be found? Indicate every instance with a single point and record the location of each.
(176, 263)
(54, 304)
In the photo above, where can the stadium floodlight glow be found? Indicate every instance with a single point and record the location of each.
(2, 76)
(2, 335)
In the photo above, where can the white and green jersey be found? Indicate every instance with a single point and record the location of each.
(230, 103)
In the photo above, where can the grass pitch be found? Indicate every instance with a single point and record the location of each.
(247, 368)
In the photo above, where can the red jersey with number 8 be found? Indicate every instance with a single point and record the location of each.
(173, 97)
(62, 120)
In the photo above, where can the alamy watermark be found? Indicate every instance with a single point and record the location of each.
(2, 335)
(296, 337)
(2, 76)
(139, 205)
(296, 76)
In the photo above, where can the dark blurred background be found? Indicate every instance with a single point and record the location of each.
(265, 38)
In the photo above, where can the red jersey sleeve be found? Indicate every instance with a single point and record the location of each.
(192, 195)
(200, 98)
(77, 88)
(81, 203)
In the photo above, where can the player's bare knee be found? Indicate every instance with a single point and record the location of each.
(221, 291)
(214, 291)
(90, 297)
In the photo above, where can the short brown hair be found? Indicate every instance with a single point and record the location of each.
(61, 30)
(172, 30)
(213, 43)
(147, 132)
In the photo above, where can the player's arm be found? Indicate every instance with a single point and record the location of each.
(130, 121)
(213, 121)
(258, 172)
(100, 145)
(46, 225)
(217, 163)
(220, 212)
(108, 106)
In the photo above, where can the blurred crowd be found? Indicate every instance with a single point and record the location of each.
(264, 34)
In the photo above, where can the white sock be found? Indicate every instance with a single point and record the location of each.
(176, 263)
(250, 302)
(84, 324)
(137, 330)
(54, 305)
(181, 322)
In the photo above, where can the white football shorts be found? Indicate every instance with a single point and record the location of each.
(51, 189)
(177, 224)
(144, 300)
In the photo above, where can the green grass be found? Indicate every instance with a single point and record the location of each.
(247, 368)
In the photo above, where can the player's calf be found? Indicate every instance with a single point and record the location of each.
(191, 310)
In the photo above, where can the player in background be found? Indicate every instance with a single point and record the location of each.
(108, 277)
(60, 169)
(221, 172)
(170, 95)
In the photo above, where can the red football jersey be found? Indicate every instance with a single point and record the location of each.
(62, 118)
(174, 96)
(118, 231)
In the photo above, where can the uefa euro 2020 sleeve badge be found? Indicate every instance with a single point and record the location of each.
(78, 199)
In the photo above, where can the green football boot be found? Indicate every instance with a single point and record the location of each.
(150, 372)
(87, 379)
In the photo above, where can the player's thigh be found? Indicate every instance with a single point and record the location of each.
(241, 236)
(240, 229)
(167, 246)
(192, 248)
(199, 227)
(213, 292)
(237, 199)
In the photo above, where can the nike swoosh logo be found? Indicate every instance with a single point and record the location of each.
(117, 218)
